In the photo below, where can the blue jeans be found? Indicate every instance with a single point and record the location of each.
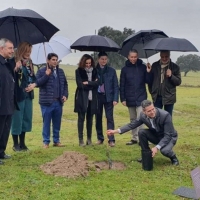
(51, 113)
(158, 104)
(108, 106)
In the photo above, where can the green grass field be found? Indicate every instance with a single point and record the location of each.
(21, 177)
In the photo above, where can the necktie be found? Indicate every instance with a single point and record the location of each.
(54, 73)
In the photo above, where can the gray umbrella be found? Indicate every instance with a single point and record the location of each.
(170, 44)
(95, 43)
(138, 40)
(20, 25)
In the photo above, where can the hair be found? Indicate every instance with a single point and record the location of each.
(165, 51)
(146, 103)
(50, 55)
(83, 61)
(102, 54)
(22, 48)
(133, 51)
(3, 42)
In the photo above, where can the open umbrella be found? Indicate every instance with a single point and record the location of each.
(20, 25)
(138, 40)
(170, 44)
(57, 44)
(95, 43)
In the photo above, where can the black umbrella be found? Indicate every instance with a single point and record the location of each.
(95, 43)
(20, 25)
(138, 40)
(170, 44)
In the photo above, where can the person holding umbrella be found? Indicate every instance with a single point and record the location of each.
(53, 93)
(86, 102)
(165, 77)
(134, 75)
(108, 94)
(24, 75)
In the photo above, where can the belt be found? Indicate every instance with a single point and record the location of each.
(56, 99)
(101, 93)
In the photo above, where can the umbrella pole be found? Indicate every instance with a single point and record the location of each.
(45, 53)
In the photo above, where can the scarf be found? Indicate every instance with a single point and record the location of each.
(101, 72)
(162, 72)
(89, 74)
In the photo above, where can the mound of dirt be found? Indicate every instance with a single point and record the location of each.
(74, 164)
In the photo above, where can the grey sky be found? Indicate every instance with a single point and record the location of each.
(75, 18)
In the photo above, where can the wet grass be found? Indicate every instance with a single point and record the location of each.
(21, 177)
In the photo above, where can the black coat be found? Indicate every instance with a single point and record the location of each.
(82, 91)
(163, 123)
(169, 96)
(133, 79)
(7, 87)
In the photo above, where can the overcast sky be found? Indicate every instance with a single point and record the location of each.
(76, 18)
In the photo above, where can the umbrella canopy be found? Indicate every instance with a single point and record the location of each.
(138, 40)
(57, 44)
(95, 43)
(170, 44)
(19, 25)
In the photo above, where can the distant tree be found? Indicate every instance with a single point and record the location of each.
(188, 63)
(115, 60)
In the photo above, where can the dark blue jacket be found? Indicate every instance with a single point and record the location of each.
(110, 83)
(45, 83)
(133, 78)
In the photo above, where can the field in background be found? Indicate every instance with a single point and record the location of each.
(21, 177)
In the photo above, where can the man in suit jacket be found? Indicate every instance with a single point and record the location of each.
(160, 131)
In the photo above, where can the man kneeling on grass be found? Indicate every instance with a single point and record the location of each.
(160, 131)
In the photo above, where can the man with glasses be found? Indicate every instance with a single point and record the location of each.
(165, 76)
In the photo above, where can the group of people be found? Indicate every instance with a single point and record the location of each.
(97, 88)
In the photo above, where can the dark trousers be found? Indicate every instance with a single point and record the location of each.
(158, 103)
(147, 135)
(81, 119)
(108, 107)
(5, 124)
(51, 113)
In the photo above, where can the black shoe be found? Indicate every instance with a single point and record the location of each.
(1, 162)
(24, 148)
(139, 160)
(16, 148)
(132, 142)
(5, 157)
(88, 142)
(174, 160)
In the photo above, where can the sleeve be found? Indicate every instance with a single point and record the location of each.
(66, 91)
(122, 85)
(79, 81)
(41, 78)
(168, 131)
(116, 87)
(176, 76)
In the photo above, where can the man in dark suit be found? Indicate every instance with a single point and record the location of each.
(160, 131)
(7, 101)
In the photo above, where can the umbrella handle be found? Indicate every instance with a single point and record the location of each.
(45, 53)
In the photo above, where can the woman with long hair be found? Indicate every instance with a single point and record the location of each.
(86, 101)
(24, 75)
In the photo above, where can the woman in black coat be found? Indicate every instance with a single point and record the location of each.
(86, 101)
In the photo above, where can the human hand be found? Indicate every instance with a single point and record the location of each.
(154, 151)
(48, 71)
(169, 73)
(30, 87)
(18, 66)
(85, 83)
(148, 67)
(114, 103)
(111, 132)
(124, 103)
(64, 99)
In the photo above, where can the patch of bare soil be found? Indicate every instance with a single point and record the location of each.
(74, 164)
